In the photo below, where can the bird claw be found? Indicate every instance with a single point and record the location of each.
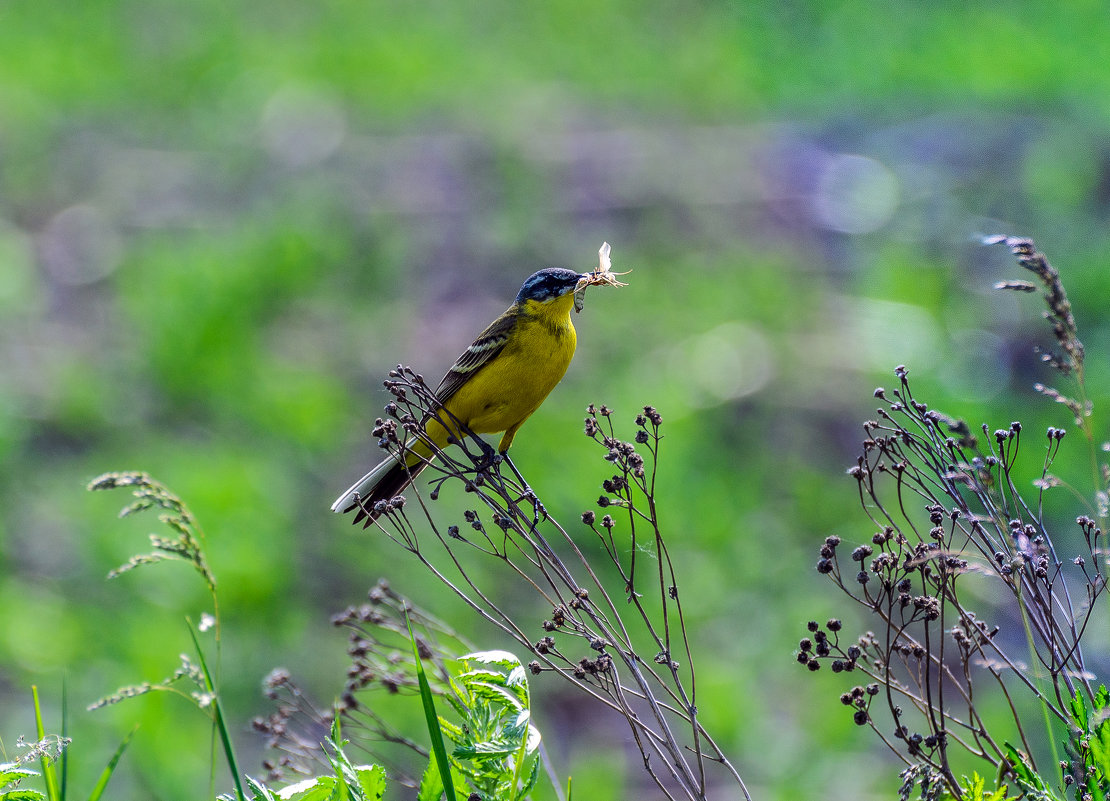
(488, 465)
(538, 509)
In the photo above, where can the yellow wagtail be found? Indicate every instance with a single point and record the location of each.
(495, 385)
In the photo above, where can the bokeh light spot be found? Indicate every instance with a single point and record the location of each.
(302, 126)
(79, 246)
(855, 194)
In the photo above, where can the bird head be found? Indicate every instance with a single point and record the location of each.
(554, 282)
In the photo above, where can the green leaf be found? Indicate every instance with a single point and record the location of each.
(439, 750)
(431, 784)
(371, 778)
(455, 733)
(1102, 698)
(472, 676)
(486, 750)
(22, 795)
(973, 787)
(12, 772)
(530, 782)
(217, 709)
(49, 774)
(1079, 715)
(259, 791)
(496, 693)
(320, 788)
(506, 659)
(1023, 774)
(109, 769)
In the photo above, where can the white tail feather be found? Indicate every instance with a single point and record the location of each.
(362, 487)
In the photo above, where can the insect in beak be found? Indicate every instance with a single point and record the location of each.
(602, 275)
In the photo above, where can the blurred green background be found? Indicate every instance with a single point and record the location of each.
(222, 223)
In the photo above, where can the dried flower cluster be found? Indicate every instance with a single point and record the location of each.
(381, 661)
(947, 510)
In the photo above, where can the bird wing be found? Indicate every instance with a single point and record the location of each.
(485, 347)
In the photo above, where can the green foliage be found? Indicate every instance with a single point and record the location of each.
(975, 789)
(11, 774)
(186, 546)
(106, 774)
(218, 715)
(496, 746)
(1027, 779)
(1087, 768)
(47, 759)
(435, 732)
(348, 782)
(49, 750)
(495, 752)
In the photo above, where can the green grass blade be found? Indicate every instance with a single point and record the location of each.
(49, 775)
(225, 737)
(109, 769)
(439, 750)
(65, 734)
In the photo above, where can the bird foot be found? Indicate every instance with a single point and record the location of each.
(490, 457)
(538, 509)
(488, 462)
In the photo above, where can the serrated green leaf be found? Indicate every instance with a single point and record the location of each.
(320, 788)
(12, 772)
(1079, 714)
(457, 704)
(973, 787)
(460, 789)
(472, 676)
(259, 791)
(1102, 697)
(453, 732)
(431, 784)
(534, 739)
(371, 778)
(518, 677)
(496, 694)
(505, 658)
(486, 750)
(1024, 775)
(1017, 763)
(22, 795)
(530, 783)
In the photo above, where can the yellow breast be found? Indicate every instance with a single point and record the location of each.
(507, 390)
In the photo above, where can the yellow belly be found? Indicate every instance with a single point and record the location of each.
(505, 392)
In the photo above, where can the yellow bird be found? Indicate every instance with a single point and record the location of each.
(496, 384)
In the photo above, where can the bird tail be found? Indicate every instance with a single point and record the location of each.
(384, 482)
(390, 477)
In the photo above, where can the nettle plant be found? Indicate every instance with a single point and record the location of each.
(953, 525)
